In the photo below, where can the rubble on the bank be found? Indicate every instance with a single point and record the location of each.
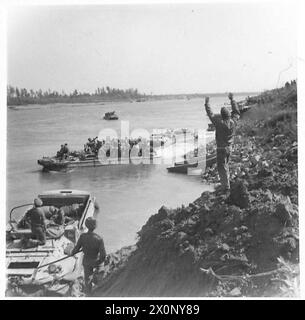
(269, 165)
(113, 263)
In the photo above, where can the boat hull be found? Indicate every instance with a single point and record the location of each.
(50, 164)
(111, 118)
(183, 167)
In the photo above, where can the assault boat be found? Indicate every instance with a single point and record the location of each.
(182, 167)
(211, 127)
(90, 160)
(47, 270)
(110, 116)
(57, 164)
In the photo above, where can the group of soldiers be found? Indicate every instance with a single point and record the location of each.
(118, 147)
(40, 217)
(125, 148)
(93, 145)
(121, 148)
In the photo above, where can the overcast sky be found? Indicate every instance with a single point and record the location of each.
(159, 49)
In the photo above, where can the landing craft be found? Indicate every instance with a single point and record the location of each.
(91, 160)
(111, 116)
(79, 159)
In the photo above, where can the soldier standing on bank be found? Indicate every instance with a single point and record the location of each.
(225, 124)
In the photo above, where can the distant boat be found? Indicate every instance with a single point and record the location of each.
(110, 116)
(243, 108)
(211, 127)
(182, 167)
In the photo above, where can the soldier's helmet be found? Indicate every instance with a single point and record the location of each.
(225, 113)
(37, 202)
(90, 223)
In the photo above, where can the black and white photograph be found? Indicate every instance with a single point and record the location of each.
(151, 150)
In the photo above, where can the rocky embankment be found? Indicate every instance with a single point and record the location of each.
(243, 244)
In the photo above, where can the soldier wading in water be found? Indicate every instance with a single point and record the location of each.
(225, 124)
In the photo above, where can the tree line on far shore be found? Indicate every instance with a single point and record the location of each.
(23, 96)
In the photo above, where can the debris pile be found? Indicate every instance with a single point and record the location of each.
(268, 165)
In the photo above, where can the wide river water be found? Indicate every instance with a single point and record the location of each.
(128, 194)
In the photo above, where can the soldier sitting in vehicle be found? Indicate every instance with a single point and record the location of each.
(48, 211)
(24, 223)
(35, 219)
(87, 147)
(72, 212)
(90, 146)
(65, 151)
(60, 153)
(58, 217)
(98, 146)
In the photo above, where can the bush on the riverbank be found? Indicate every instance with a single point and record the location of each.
(244, 245)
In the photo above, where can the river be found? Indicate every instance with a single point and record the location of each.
(128, 194)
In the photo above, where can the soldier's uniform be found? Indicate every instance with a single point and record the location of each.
(93, 248)
(59, 217)
(225, 129)
(65, 151)
(37, 220)
(73, 211)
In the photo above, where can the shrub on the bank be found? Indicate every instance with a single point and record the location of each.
(272, 112)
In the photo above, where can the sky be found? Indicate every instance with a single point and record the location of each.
(159, 49)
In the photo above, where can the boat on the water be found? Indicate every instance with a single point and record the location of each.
(211, 127)
(110, 116)
(58, 164)
(90, 160)
(47, 270)
(244, 109)
(182, 167)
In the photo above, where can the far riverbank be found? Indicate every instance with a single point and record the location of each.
(96, 99)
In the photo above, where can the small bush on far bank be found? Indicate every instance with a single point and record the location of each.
(274, 112)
